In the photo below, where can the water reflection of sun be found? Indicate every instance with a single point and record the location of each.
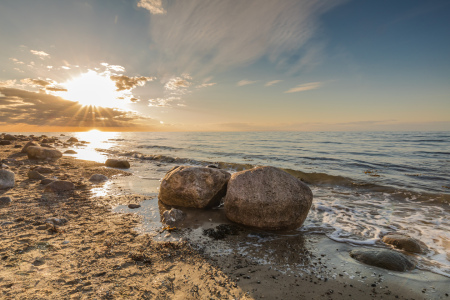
(95, 139)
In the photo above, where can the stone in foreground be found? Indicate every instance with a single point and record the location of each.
(386, 259)
(193, 186)
(98, 178)
(117, 163)
(35, 152)
(29, 144)
(404, 242)
(5, 201)
(173, 216)
(7, 179)
(59, 186)
(267, 198)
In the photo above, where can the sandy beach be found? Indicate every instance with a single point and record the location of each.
(96, 253)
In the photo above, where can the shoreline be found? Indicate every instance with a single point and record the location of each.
(99, 254)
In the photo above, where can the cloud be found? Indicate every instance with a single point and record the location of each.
(305, 87)
(153, 6)
(203, 85)
(7, 83)
(23, 107)
(177, 83)
(37, 82)
(204, 36)
(41, 54)
(245, 82)
(270, 83)
(16, 61)
(124, 82)
(116, 68)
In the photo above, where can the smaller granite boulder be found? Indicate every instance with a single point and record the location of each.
(59, 186)
(35, 152)
(193, 186)
(5, 201)
(7, 179)
(98, 178)
(29, 144)
(33, 174)
(173, 216)
(117, 163)
(386, 259)
(404, 242)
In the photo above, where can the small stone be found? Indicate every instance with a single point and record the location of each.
(72, 140)
(4, 143)
(405, 242)
(32, 174)
(170, 217)
(7, 179)
(5, 200)
(133, 206)
(59, 186)
(117, 163)
(98, 178)
(386, 259)
(56, 221)
(70, 152)
(43, 170)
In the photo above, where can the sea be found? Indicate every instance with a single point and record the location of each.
(365, 184)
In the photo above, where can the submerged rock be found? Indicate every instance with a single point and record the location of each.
(405, 242)
(267, 198)
(59, 186)
(117, 163)
(173, 216)
(35, 152)
(386, 259)
(98, 178)
(193, 186)
(7, 179)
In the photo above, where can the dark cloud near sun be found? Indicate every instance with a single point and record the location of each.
(124, 82)
(48, 84)
(33, 108)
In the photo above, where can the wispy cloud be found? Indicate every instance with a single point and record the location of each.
(153, 6)
(246, 82)
(204, 36)
(41, 54)
(270, 83)
(7, 83)
(124, 82)
(305, 87)
(16, 61)
(116, 68)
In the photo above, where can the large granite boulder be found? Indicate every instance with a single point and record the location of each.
(267, 198)
(404, 242)
(59, 186)
(7, 179)
(193, 186)
(117, 163)
(386, 259)
(29, 144)
(35, 152)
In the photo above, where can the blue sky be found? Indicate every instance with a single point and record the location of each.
(224, 65)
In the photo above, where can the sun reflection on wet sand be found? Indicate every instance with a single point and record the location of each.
(95, 139)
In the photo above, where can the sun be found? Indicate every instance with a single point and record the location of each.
(93, 89)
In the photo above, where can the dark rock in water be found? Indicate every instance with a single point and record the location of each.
(5, 201)
(405, 242)
(5, 142)
(59, 186)
(193, 186)
(173, 216)
(221, 231)
(116, 163)
(43, 153)
(386, 259)
(32, 174)
(43, 170)
(70, 152)
(46, 181)
(72, 140)
(29, 144)
(133, 206)
(98, 178)
(267, 198)
(7, 179)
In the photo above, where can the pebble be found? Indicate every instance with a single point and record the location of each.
(132, 206)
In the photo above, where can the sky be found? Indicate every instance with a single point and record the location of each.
(224, 65)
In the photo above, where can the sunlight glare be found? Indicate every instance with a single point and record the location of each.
(93, 89)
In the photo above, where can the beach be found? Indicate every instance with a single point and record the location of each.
(100, 250)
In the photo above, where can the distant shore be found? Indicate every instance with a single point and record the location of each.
(98, 254)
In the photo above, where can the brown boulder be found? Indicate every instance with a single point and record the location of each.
(405, 242)
(386, 259)
(29, 144)
(267, 198)
(35, 152)
(193, 186)
(59, 186)
(33, 174)
(117, 163)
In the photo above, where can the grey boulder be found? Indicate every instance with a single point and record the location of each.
(267, 198)
(193, 186)
(386, 259)
(7, 179)
(35, 152)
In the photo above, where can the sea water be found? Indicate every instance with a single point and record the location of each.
(365, 184)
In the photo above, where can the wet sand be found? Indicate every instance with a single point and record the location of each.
(102, 254)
